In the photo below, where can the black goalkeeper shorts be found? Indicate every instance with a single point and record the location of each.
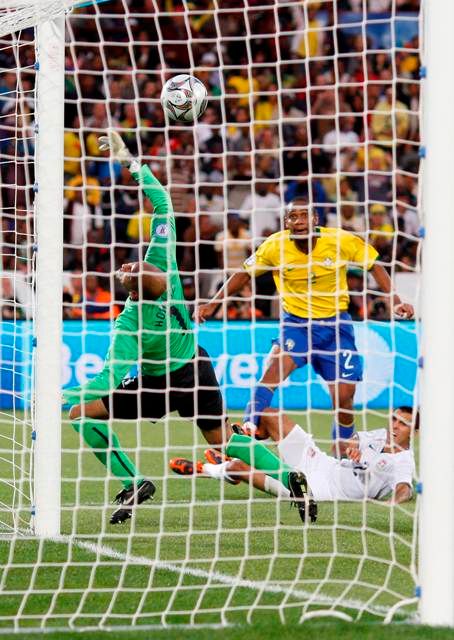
(193, 392)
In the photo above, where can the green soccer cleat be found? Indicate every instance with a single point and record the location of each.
(301, 496)
(130, 498)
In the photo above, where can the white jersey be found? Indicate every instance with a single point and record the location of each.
(376, 475)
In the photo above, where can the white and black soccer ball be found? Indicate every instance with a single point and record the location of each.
(184, 98)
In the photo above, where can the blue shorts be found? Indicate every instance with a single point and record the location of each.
(328, 344)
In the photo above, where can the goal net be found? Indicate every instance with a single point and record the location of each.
(316, 100)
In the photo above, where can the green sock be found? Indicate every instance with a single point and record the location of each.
(256, 455)
(106, 447)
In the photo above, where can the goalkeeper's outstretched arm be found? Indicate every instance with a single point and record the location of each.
(161, 250)
(153, 189)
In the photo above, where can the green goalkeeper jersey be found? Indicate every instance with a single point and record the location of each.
(156, 335)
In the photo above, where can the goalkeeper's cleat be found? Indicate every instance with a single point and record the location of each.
(185, 467)
(301, 496)
(130, 498)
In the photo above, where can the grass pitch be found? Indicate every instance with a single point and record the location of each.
(202, 553)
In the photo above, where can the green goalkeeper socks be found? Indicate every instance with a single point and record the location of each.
(106, 447)
(256, 455)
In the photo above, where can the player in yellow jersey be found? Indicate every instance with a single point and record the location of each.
(309, 266)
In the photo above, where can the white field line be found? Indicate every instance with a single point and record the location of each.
(213, 576)
(216, 576)
(82, 631)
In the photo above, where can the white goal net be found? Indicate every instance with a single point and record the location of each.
(315, 102)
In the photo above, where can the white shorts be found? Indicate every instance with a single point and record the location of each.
(299, 450)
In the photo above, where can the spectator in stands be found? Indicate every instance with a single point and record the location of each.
(99, 122)
(200, 258)
(408, 220)
(331, 101)
(72, 149)
(240, 83)
(266, 107)
(357, 289)
(234, 245)
(348, 219)
(139, 226)
(204, 128)
(11, 308)
(390, 118)
(381, 233)
(342, 140)
(262, 209)
(242, 307)
(83, 219)
(97, 301)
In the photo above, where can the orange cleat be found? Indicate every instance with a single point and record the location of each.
(185, 467)
(213, 456)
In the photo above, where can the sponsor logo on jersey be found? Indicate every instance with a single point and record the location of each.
(162, 230)
(289, 344)
(250, 261)
(327, 262)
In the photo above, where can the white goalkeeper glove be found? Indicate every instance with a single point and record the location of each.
(117, 147)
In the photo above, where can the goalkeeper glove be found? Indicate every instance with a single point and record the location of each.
(117, 147)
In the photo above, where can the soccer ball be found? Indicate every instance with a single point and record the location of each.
(184, 98)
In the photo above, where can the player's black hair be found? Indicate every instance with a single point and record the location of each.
(411, 410)
(303, 201)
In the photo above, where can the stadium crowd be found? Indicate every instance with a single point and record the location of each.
(303, 102)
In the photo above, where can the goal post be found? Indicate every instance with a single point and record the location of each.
(437, 407)
(50, 79)
(47, 17)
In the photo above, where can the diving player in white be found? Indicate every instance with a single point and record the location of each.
(374, 464)
(377, 463)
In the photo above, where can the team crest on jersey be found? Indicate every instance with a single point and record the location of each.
(289, 344)
(162, 230)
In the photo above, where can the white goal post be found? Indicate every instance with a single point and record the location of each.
(50, 45)
(48, 18)
(436, 546)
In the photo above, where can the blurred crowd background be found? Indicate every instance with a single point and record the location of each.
(317, 99)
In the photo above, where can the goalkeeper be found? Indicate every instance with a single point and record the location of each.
(154, 331)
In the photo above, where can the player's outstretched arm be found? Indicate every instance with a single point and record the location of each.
(401, 309)
(234, 284)
(122, 355)
(153, 189)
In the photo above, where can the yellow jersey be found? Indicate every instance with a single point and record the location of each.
(312, 285)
